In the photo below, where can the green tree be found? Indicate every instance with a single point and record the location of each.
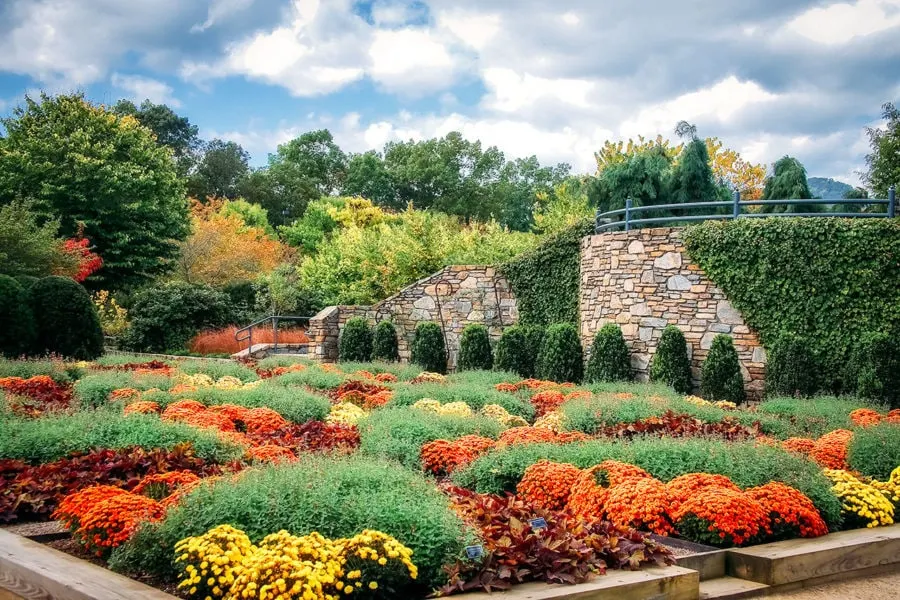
(566, 206)
(384, 342)
(28, 247)
(367, 176)
(223, 166)
(788, 182)
(355, 343)
(475, 349)
(428, 348)
(315, 158)
(610, 359)
(884, 160)
(721, 374)
(171, 130)
(692, 177)
(66, 320)
(561, 358)
(92, 169)
(525, 186)
(253, 215)
(643, 177)
(670, 364)
(17, 330)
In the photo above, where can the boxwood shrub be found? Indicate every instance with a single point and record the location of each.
(428, 348)
(670, 364)
(610, 360)
(384, 342)
(561, 358)
(475, 349)
(17, 329)
(66, 319)
(721, 375)
(356, 341)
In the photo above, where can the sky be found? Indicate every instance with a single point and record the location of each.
(550, 78)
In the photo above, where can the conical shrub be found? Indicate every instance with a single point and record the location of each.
(721, 375)
(475, 349)
(561, 358)
(428, 349)
(356, 341)
(610, 360)
(670, 364)
(384, 342)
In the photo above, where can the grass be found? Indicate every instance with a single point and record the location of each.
(52, 437)
(93, 391)
(59, 370)
(875, 451)
(338, 497)
(312, 377)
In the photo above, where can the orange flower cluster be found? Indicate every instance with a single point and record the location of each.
(590, 491)
(790, 511)
(536, 384)
(800, 445)
(865, 417)
(695, 484)
(271, 453)
(893, 416)
(263, 420)
(506, 387)
(160, 485)
(640, 502)
(209, 419)
(547, 484)
(144, 407)
(353, 397)
(386, 378)
(720, 512)
(104, 517)
(830, 450)
(547, 401)
(442, 457)
(538, 435)
(180, 409)
(378, 399)
(579, 395)
(232, 411)
(124, 394)
(282, 370)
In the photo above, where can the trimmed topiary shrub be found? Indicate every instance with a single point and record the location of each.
(66, 320)
(17, 331)
(609, 360)
(791, 368)
(670, 364)
(384, 342)
(721, 376)
(875, 368)
(475, 349)
(518, 348)
(534, 340)
(165, 317)
(428, 349)
(561, 358)
(356, 341)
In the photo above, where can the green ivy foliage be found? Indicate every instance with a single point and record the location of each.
(610, 359)
(874, 371)
(355, 343)
(830, 281)
(475, 349)
(384, 342)
(545, 280)
(561, 358)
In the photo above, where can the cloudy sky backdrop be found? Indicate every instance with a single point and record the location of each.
(551, 78)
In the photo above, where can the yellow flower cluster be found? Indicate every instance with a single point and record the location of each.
(891, 487)
(861, 500)
(227, 382)
(456, 409)
(224, 564)
(428, 377)
(502, 416)
(211, 562)
(345, 413)
(698, 401)
(552, 421)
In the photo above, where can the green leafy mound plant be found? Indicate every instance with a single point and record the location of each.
(17, 330)
(337, 497)
(92, 391)
(791, 368)
(561, 358)
(875, 451)
(295, 404)
(546, 279)
(384, 342)
(475, 349)
(428, 348)
(165, 317)
(517, 350)
(610, 360)
(475, 394)
(721, 375)
(356, 341)
(66, 319)
(875, 368)
(670, 364)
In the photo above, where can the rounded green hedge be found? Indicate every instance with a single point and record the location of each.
(428, 349)
(721, 376)
(561, 358)
(670, 364)
(17, 329)
(384, 342)
(518, 348)
(475, 349)
(66, 319)
(355, 343)
(610, 360)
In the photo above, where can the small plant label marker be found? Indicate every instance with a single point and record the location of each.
(539, 523)
(474, 552)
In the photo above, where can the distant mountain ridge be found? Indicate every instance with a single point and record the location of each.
(828, 188)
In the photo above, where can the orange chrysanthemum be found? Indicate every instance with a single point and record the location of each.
(160, 485)
(865, 417)
(378, 399)
(720, 516)
(232, 411)
(800, 445)
(264, 420)
(386, 378)
(209, 419)
(790, 511)
(442, 457)
(144, 407)
(830, 450)
(591, 489)
(547, 484)
(547, 401)
(506, 387)
(690, 485)
(640, 502)
(124, 394)
(893, 416)
(271, 453)
(177, 411)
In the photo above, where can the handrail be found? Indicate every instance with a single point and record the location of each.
(240, 337)
(607, 221)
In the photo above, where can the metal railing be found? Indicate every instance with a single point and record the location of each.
(245, 334)
(625, 217)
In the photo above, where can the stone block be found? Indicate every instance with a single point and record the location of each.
(707, 340)
(641, 309)
(720, 328)
(425, 302)
(653, 322)
(669, 260)
(640, 362)
(759, 355)
(678, 283)
(636, 247)
(628, 285)
(629, 330)
(645, 334)
(728, 314)
(648, 277)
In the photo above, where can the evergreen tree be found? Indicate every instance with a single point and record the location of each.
(788, 182)
(610, 360)
(475, 349)
(355, 343)
(692, 178)
(670, 364)
(721, 376)
(561, 358)
(884, 160)
(384, 342)
(428, 348)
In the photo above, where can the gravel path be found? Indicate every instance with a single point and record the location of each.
(881, 587)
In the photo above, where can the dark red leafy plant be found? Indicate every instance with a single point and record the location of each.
(671, 424)
(312, 436)
(33, 396)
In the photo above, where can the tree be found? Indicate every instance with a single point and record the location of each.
(670, 364)
(30, 248)
(66, 320)
(17, 330)
(223, 166)
(788, 182)
(565, 207)
(856, 193)
(525, 186)
(222, 249)
(720, 377)
(429, 350)
(613, 153)
(610, 359)
(170, 129)
(367, 176)
(692, 177)
(561, 358)
(735, 173)
(253, 215)
(314, 157)
(884, 160)
(92, 169)
(643, 177)
(475, 349)
(355, 344)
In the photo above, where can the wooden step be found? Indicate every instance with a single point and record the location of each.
(791, 561)
(730, 588)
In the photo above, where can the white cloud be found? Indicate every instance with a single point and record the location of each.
(219, 10)
(409, 59)
(474, 29)
(840, 23)
(391, 13)
(570, 18)
(510, 91)
(139, 88)
(719, 102)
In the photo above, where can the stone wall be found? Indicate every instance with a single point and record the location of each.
(461, 295)
(644, 280)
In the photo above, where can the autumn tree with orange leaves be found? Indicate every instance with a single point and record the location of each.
(223, 249)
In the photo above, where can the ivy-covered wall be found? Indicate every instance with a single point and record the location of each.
(545, 280)
(828, 280)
